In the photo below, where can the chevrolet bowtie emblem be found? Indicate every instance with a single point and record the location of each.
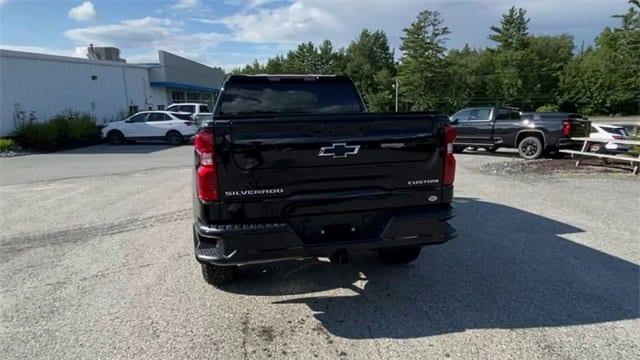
(339, 150)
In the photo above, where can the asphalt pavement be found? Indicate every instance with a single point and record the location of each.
(96, 261)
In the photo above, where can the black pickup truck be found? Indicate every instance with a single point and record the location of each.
(293, 166)
(533, 134)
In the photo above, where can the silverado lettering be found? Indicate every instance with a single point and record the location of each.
(253, 192)
(341, 176)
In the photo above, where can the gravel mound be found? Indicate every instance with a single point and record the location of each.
(550, 167)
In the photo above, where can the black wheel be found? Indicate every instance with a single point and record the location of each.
(530, 147)
(218, 275)
(115, 137)
(399, 255)
(174, 138)
(594, 148)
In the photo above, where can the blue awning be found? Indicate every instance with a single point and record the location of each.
(179, 86)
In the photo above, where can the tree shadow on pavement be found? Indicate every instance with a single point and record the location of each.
(507, 269)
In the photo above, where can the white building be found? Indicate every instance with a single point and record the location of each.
(35, 87)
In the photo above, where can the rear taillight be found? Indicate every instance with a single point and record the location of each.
(618, 137)
(449, 161)
(189, 123)
(206, 172)
(566, 127)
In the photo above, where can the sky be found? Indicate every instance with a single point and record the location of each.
(232, 33)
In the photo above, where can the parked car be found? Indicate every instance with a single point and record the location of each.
(172, 127)
(294, 167)
(199, 112)
(533, 134)
(608, 132)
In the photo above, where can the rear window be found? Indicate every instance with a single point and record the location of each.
(204, 108)
(187, 108)
(289, 96)
(615, 130)
(183, 116)
(508, 114)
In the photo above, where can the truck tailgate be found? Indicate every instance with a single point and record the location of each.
(307, 155)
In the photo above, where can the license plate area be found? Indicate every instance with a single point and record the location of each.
(349, 228)
(343, 231)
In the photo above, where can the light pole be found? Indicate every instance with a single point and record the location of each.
(395, 86)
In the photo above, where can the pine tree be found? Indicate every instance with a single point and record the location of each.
(422, 72)
(369, 62)
(513, 29)
(606, 79)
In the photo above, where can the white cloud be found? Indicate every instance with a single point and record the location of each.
(469, 20)
(83, 12)
(299, 21)
(185, 4)
(141, 38)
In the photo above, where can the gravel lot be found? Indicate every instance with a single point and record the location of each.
(96, 261)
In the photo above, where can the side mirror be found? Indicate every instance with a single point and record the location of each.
(454, 121)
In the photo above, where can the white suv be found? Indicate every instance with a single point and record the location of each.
(608, 132)
(199, 111)
(151, 125)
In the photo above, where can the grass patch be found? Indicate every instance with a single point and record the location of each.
(7, 145)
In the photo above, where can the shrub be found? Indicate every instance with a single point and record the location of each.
(67, 129)
(7, 145)
(548, 108)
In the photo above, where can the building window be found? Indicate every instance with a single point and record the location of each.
(177, 96)
(94, 77)
(193, 97)
(133, 109)
(160, 107)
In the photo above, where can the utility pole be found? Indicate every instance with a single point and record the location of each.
(396, 87)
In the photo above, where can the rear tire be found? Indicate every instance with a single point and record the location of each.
(115, 137)
(530, 148)
(595, 148)
(399, 256)
(218, 275)
(174, 138)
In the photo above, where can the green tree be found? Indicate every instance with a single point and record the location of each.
(422, 70)
(606, 78)
(513, 29)
(303, 60)
(369, 62)
(468, 72)
(330, 61)
(546, 58)
(250, 69)
(507, 85)
(276, 65)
